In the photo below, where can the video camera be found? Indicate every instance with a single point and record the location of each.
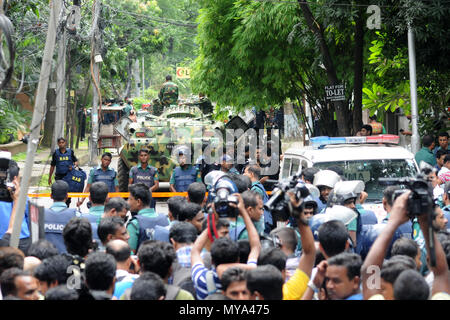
(279, 203)
(420, 201)
(5, 176)
(221, 195)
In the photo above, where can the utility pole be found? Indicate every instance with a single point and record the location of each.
(96, 59)
(60, 118)
(143, 78)
(415, 139)
(136, 76)
(38, 115)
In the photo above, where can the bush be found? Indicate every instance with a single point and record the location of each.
(12, 118)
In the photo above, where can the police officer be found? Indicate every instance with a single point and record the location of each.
(253, 171)
(57, 216)
(63, 159)
(325, 180)
(145, 221)
(102, 173)
(145, 173)
(184, 174)
(227, 165)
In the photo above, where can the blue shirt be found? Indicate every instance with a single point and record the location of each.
(58, 206)
(357, 296)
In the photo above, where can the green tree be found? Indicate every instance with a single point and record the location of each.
(254, 53)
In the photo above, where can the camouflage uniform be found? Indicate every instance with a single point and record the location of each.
(157, 107)
(168, 94)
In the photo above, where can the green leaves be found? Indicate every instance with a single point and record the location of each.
(12, 118)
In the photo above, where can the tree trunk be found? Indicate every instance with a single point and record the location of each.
(339, 106)
(49, 123)
(358, 71)
(129, 76)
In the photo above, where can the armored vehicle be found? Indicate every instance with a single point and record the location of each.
(183, 126)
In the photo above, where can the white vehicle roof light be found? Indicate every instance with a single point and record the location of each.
(322, 141)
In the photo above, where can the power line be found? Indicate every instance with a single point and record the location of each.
(186, 24)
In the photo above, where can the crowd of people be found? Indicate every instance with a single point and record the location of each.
(224, 242)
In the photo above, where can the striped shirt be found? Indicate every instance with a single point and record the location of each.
(198, 274)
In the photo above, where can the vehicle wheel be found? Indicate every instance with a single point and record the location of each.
(122, 175)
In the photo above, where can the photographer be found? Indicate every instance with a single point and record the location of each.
(398, 216)
(254, 205)
(8, 206)
(297, 284)
(253, 171)
(224, 253)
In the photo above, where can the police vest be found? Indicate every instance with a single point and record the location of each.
(93, 220)
(183, 178)
(144, 176)
(377, 128)
(63, 161)
(107, 177)
(147, 226)
(161, 234)
(267, 214)
(54, 223)
(5, 215)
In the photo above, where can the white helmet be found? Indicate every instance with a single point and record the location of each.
(326, 178)
(212, 177)
(341, 213)
(313, 191)
(344, 190)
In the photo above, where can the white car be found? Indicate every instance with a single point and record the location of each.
(361, 158)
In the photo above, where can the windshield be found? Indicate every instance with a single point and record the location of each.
(370, 170)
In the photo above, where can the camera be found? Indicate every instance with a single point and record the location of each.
(420, 201)
(5, 176)
(279, 203)
(269, 241)
(221, 195)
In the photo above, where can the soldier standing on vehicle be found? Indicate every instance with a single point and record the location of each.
(145, 173)
(169, 92)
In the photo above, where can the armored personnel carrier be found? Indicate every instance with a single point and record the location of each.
(183, 126)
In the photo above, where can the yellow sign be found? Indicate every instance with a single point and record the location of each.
(183, 73)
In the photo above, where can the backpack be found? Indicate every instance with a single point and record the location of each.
(75, 178)
(182, 278)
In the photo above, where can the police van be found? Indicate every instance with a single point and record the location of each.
(360, 158)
